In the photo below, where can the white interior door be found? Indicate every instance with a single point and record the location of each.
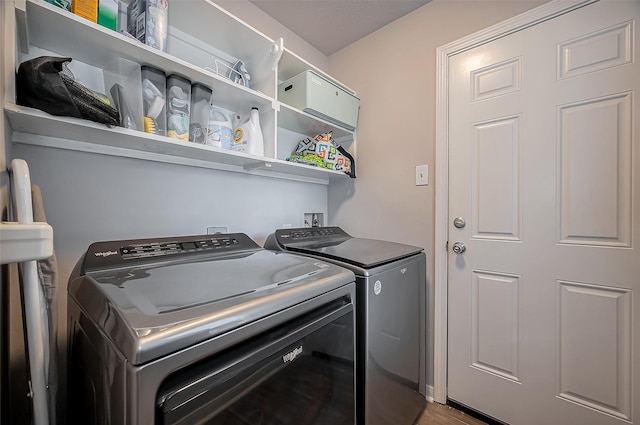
(544, 157)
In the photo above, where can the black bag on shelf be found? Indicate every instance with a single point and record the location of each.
(47, 84)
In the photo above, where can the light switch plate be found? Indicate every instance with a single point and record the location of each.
(422, 175)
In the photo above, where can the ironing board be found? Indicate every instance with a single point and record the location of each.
(36, 323)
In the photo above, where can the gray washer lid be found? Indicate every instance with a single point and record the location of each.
(365, 253)
(151, 310)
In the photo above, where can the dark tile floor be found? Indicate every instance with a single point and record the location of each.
(439, 414)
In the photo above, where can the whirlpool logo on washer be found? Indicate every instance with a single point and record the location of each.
(105, 253)
(291, 355)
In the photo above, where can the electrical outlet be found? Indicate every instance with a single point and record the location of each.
(212, 230)
(422, 175)
(313, 219)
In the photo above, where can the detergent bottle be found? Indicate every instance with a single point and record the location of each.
(248, 136)
(220, 129)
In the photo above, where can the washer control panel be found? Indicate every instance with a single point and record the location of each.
(102, 255)
(155, 249)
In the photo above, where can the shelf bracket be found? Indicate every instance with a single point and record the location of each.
(256, 165)
(277, 48)
(21, 24)
(344, 139)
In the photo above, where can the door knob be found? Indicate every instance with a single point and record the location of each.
(459, 222)
(459, 248)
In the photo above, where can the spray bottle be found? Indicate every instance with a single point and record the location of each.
(248, 135)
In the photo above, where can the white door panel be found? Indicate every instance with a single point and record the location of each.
(495, 194)
(543, 165)
(602, 379)
(594, 164)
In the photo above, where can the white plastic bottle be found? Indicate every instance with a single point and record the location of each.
(248, 136)
(220, 129)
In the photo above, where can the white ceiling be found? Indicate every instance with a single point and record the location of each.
(330, 25)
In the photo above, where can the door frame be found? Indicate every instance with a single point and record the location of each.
(444, 53)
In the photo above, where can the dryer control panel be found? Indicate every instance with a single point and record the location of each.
(306, 235)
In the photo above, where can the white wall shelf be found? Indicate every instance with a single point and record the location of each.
(299, 121)
(199, 32)
(34, 127)
(54, 29)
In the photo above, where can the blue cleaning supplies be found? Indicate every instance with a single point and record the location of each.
(220, 132)
(248, 136)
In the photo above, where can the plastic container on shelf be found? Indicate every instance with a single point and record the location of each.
(154, 93)
(122, 83)
(148, 22)
(220, 131)
(248, 136)
(178, 107)
(200, 105)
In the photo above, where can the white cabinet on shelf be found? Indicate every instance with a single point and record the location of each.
(203, 38)
(293, 122)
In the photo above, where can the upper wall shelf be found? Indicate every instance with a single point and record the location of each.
(95, 45)
(291, 65)
(194, 43)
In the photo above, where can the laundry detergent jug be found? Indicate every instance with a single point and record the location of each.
(248, 136)
(220, 129)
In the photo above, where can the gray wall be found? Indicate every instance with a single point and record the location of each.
(91, 197)
(393, 71)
